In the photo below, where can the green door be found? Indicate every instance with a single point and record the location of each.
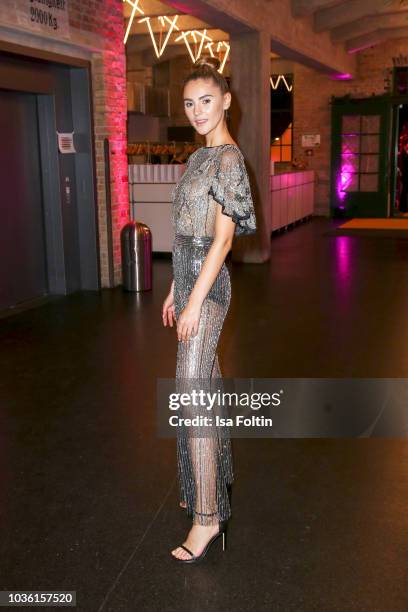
(360, 156)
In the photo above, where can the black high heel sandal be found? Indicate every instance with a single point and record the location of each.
(222, 530)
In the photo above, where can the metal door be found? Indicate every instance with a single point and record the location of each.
(23, 258)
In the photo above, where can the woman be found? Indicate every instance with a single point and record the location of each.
(212, 202)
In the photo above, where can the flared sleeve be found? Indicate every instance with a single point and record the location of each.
(230, 187)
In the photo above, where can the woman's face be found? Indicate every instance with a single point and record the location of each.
(204, 104)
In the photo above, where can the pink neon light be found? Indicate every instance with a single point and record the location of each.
(345, 176)
(345, 76)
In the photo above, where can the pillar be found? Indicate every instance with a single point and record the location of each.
(250, 127)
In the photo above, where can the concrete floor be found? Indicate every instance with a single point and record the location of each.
(89, 494)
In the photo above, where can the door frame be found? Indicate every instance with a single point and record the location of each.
(395, 101)
(80, 83)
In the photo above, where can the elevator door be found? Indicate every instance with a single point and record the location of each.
(23, 257)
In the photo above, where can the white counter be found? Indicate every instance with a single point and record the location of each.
(292, 197)
(150, 191)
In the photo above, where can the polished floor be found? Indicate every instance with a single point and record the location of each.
(89, 496)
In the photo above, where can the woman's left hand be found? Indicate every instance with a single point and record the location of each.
(187, 324)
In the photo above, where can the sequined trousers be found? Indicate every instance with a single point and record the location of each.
(204, 453)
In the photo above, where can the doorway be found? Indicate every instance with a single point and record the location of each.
(48, 229)
(399, 161)
(360, 157)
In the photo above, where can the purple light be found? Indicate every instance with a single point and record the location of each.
(345, 76)
(345, 177)
(348, 168)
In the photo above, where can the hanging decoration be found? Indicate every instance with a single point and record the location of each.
(221, 44)
(276, 84)
(135, 7)
(195, 34)
(199, 38)
(162, 18)
(196, 39)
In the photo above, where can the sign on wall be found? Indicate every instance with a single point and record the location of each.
(49, 17)
(310, 140)
(66, 142)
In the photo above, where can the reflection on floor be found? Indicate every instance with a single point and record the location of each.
(89, 492)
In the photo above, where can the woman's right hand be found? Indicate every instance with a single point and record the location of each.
(168, 314)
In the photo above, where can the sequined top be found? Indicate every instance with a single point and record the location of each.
(213, 175)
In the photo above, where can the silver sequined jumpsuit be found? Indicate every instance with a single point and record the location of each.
(213, 176)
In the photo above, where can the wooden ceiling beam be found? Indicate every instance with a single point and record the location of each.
(301, 8)
(369, 24)
(348, 12)
(375, 38)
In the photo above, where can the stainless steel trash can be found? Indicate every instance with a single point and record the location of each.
(136, 247)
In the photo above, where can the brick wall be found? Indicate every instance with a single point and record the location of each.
(104, 18)
(312, 111)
